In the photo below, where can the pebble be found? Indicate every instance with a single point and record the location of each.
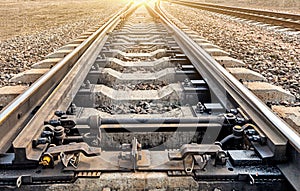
(18, 53)
(140, 86)
(141, 107)
(270, 53)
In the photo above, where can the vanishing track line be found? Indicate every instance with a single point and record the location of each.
(141, 106)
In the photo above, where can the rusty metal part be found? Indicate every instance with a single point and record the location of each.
(26, 105)
(134, 154)
(74, 148)
(270, 124)
(197, 149)
(174, 148)
(63, 100)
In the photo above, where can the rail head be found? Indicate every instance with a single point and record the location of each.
(80, 142)
(277, 18)
(258, 111)
(62, 96)
(14, 116)
(249, 10)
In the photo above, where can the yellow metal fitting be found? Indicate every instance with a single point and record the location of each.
(45, 160)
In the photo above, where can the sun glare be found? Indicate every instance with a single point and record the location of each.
(140, 1)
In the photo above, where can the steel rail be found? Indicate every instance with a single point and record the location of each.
(51, 163)
(14, 116)
(295, 17)
(282, 19)
(270, 124)
(64, 93)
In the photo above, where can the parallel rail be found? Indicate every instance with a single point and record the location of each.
(239, 92)
(274, 18)
(14, 116)
(233, 130)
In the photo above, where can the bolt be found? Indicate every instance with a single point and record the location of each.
(187, 83)
(72, 109)
(200, 107)
(59, 113)
(250, 132)
(47, 134)
(87, 84)
(53, 123)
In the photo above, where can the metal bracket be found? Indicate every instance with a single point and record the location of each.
(72, 159)
(69, 154)
(134, 155)
(75, 148)
(199, 153)
(195, 149)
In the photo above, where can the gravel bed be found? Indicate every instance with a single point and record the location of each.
(142, 107)
(275, 55)
(140, 50)
(18, 53)
(137, 59)
(140, 86)
(142, 70)
(288, 6)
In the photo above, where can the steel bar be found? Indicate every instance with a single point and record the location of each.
(262, 16)
(270, 123)
(15, 115)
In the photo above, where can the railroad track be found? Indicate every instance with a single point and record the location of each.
(140, 106)
(286, 20)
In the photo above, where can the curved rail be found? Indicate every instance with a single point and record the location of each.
(275, 18)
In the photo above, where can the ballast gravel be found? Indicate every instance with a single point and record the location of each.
(276, 55)
(55, 24)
